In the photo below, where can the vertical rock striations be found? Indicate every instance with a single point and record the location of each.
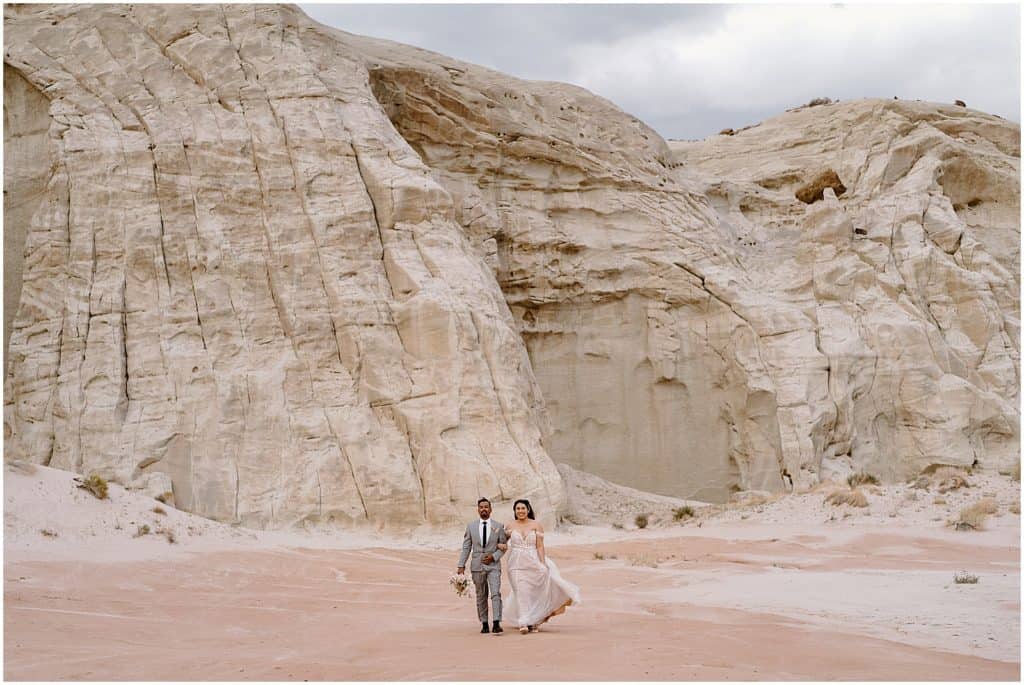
(294, 274)
(242, 283)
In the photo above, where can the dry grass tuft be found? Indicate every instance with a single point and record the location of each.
(641, 520)
(853, 497)
(599, 556)
(862, 478)
(164, 497)
(143, 530)
(815, 190)
(617, 526)
(169, 534)
(94, 484)
(159, 510)
(49, 533)
(973, 517)
(727, 132)
(1015, 508)
(683, 512)
(819, 101)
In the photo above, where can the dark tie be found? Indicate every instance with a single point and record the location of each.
(483, 542)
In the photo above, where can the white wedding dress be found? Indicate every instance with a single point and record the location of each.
(538, 590)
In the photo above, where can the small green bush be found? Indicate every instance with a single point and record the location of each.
(641, 521)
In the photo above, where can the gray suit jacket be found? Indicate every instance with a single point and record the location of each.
(471, 544)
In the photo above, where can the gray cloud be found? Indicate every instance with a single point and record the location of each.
(691, 70)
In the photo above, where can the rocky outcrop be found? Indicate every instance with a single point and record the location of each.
(909, 283)
(239, 276)
(302, 275)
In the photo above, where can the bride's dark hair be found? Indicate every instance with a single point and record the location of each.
(529, 509)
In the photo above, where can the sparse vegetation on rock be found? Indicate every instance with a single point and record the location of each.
(142, 530)
(861, 478)
(680, 513)
(96, 485)
(819, 101)
(853, 497)
(641, 521)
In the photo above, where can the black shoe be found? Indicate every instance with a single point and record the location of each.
(485, 629)
(497, 628)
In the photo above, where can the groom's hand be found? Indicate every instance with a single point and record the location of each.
(461, 570)
(488, 558)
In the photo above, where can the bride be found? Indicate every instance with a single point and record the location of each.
(538, 589)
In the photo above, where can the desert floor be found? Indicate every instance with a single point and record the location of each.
(738, 599)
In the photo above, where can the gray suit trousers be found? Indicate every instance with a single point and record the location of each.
(488, 583)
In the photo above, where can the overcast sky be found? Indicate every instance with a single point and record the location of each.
(691, 70)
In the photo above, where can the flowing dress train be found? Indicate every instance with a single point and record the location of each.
(538, 590)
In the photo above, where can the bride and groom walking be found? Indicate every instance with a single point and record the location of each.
(538, 589)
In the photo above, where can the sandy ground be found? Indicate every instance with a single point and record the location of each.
(785, 589)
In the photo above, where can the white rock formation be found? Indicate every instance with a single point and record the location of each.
(267, 256)
(909, 282)
(241, 276)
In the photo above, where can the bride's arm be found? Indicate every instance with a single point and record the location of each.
(541, 554)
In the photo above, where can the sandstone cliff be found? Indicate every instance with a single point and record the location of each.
(298, 274)
(240, 282)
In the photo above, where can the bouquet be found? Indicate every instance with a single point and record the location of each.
(460, 583)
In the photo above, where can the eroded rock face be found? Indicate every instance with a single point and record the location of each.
(240, 276)
(910, 281)
(311, 276)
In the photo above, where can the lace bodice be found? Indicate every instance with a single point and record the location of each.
(516, 539)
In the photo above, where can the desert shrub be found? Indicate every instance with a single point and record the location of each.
(641, 520)
(819, 101)
(617, 526)
(959, 103)
(159, 510)
(143, 530)
(598, 556)
(164, 497)
(680, 513)
(973, 517)
(1015, 508)
(855, 498)
(96, 485)
(169, 534)
(815, 190)
(48, 533)
(855, 479)
(964, 578)
(939, 500)
(727, 132)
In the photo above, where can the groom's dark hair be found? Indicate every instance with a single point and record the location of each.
(482, 499)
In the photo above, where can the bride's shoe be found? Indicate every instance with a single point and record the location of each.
(523, 630)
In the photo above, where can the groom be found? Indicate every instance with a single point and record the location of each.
(482, 538)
